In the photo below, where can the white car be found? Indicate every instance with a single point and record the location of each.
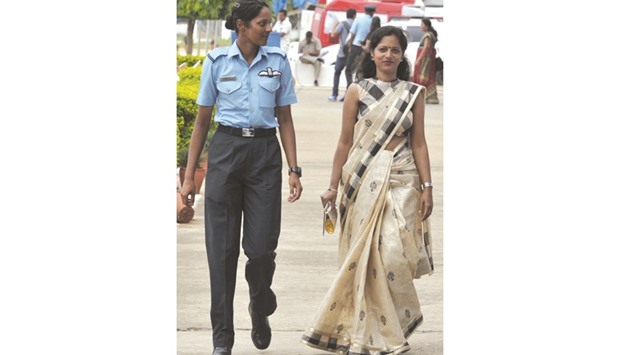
(303, 74)
(330, 53)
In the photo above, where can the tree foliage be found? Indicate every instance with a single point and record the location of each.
(199, 9)
(193, 10)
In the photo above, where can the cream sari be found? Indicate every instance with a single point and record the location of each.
(372, 306)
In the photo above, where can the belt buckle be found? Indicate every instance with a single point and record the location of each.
(247, 132)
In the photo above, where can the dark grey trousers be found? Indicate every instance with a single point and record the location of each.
(244, 179)
(340, 64)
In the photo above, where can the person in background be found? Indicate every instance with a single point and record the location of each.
(283, 27)
(248, 82)
(425, 63)
(438, 67)
(359, 30)
(374, 25)
(310, 48)
(211, 45)
(382, 168)
(341, 30)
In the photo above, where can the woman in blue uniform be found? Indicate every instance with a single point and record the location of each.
(248, 84)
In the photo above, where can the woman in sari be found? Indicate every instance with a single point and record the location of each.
(382, 167)
(424, 72)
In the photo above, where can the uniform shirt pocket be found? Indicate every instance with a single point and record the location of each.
(229, 95)
(267, 92)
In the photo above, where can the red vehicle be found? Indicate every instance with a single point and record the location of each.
(326, 16)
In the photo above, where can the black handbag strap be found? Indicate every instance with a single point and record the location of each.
(347, 25)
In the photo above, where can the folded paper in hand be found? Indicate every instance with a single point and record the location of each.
(329, 218)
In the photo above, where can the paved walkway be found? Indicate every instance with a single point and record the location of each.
(306, 261)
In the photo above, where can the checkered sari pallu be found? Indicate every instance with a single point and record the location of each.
(372, 306)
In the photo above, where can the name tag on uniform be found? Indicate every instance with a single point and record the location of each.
(228, 78)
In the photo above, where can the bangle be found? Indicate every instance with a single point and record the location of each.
(426, 184)
(330, 189)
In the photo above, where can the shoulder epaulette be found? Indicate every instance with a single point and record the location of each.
(217, 52)
(276, 50)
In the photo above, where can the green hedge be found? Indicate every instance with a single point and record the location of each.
(187, 92)
(189, 59)
(190, 76)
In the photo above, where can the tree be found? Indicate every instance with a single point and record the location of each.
(193, 10)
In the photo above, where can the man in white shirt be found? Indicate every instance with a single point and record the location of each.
(283, 26)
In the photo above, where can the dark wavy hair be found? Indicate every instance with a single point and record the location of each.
(367, 66)
(428, 24)
(375, 23)
(245, 10)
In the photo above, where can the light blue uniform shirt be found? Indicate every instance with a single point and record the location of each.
(361, 28)
(246, 95)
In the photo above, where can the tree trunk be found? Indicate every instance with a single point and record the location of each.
(189, 38)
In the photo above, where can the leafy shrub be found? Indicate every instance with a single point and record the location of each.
(187, 92)
(183, 136)
(189, 59)
(190, 76)
(186, 102)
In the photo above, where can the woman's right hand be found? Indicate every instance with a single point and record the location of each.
(329, 196)
(188, 192)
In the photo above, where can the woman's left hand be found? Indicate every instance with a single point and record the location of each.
(425, 204)
(295, 187)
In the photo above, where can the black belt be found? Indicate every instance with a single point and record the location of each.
(247, 132)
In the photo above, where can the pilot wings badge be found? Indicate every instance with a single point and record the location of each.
(269, 72)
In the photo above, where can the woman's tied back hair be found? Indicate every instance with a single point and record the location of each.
(428, 24)
(245, 10)
(367, 66)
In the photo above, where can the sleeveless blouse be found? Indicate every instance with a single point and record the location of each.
(372, 90)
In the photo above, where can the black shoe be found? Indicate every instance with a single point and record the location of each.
(261, 332)
(316, 83)
(222, 351)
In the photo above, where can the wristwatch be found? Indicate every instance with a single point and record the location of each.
(294, 169)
